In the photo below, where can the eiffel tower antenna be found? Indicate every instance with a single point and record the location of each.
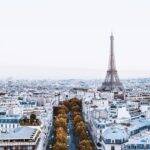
(111, 82)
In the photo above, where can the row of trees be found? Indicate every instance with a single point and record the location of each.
(74, 106)
(60, 124)
(80, 129)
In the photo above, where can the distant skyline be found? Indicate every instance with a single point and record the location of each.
(70, 39)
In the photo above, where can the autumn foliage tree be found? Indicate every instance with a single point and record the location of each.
(79, 125)
(77, 119)
(74, 106)
(60, 146)
(60, 124)
(85, 145)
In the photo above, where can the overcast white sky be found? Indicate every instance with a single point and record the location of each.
(70, 38)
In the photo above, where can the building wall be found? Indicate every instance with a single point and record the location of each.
(25, 147)
(109, 146)
(8, 126)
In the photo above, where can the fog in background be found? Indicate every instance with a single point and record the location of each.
(70, 39)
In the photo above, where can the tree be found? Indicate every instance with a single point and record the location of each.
(83, 135)
(77, 119)
(66, 103)
(65, 108)
(32, 118)
(79, 129)
(61, 135)
(75, 101)
(85, 145)
(80, 124)
(74, 113)
(60, 146)
(61, 122)
(61, 111)
(75, 108)
(62, 116)
(21, 121)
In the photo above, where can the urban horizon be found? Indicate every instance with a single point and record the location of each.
(67, 82)
(36, 72)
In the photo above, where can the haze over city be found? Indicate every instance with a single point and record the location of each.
(74, 75)
(70, 39)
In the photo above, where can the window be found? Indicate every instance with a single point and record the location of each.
(113, 141)
(118, 141)
(112, 147)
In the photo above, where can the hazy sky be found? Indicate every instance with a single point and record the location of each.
(70, 38)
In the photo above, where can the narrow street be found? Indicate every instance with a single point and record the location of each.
(71, 140)
(49, 140)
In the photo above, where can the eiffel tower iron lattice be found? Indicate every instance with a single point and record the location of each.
(111, 82)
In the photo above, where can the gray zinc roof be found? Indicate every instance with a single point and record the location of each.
(19, 134)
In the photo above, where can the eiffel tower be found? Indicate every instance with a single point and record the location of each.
(111, 82)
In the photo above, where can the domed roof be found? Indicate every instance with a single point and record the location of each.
(115, 133)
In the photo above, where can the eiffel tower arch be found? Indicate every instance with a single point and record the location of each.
(111, 82)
